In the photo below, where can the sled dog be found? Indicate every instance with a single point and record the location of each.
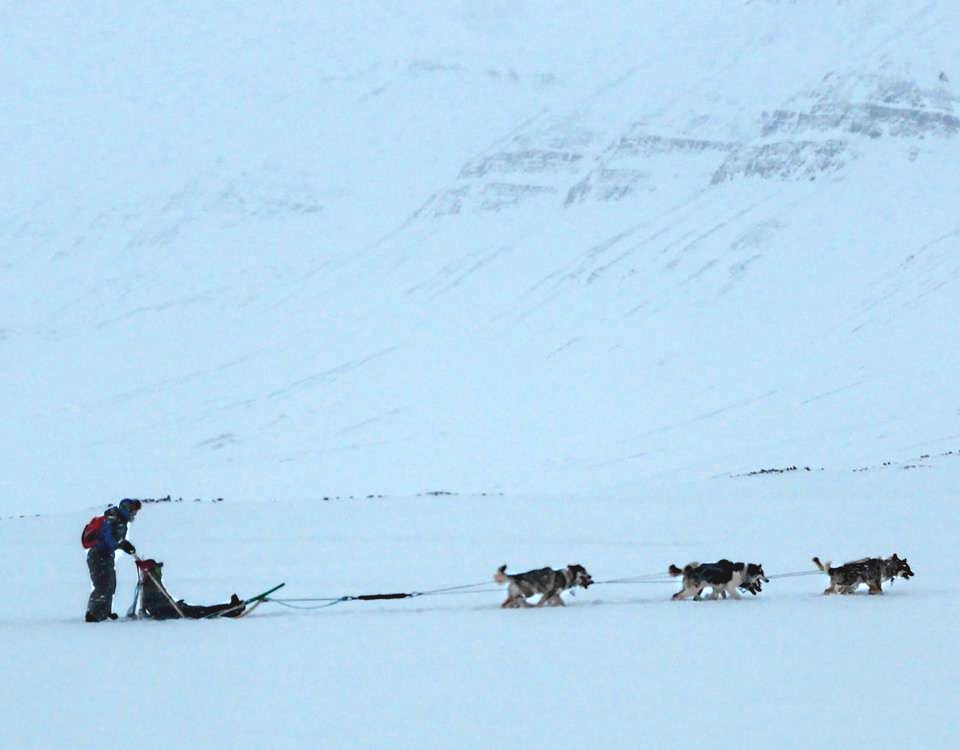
(722, 577)
(870, 570)
(547, 582)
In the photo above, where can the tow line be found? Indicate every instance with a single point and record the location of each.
(320, 602)
(483, 587)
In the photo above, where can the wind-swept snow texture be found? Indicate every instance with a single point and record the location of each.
(596, 260)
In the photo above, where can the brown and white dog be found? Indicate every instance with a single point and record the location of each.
(723, 578)
(547, 582)
(870, 570)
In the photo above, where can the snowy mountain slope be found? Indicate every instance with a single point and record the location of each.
(286, 252)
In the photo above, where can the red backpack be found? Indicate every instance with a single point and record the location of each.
(92, 531)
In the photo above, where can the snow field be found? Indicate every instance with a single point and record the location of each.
(619, 666)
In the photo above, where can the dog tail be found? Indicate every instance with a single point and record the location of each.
(674, 570)
(825, 567)
(501, 575)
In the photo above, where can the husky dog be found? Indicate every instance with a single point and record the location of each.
(752, 582)
(722, 577)
(545, 581)
(870, 570)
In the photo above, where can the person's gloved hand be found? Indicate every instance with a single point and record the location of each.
(127, 547)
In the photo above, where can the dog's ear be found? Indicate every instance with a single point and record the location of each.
(502, 568)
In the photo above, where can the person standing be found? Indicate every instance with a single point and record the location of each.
(111, 536)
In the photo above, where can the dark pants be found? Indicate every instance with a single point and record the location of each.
(104, 578)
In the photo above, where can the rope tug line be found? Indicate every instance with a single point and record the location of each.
(798, 573)
(329, 601)
(322, 602)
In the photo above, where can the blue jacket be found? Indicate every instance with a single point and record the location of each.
(113, 530)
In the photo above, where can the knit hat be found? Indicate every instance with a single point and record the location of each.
(129, 507)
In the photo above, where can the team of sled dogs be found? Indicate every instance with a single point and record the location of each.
(724, 579)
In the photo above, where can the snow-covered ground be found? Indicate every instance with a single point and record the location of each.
(621, 666)
(583, 266)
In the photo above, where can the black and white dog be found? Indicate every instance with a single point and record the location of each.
(547, 582)
(870, 570)
(723, 577)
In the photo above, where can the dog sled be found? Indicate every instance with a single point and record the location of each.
(153, 601)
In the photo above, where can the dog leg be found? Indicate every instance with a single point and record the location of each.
(734, 594)
(549, 599)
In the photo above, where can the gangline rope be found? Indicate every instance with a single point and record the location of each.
(321, 602)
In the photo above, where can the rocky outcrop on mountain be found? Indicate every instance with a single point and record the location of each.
(786, 160)
(525, 161)
(867, 106)
(812, 135)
